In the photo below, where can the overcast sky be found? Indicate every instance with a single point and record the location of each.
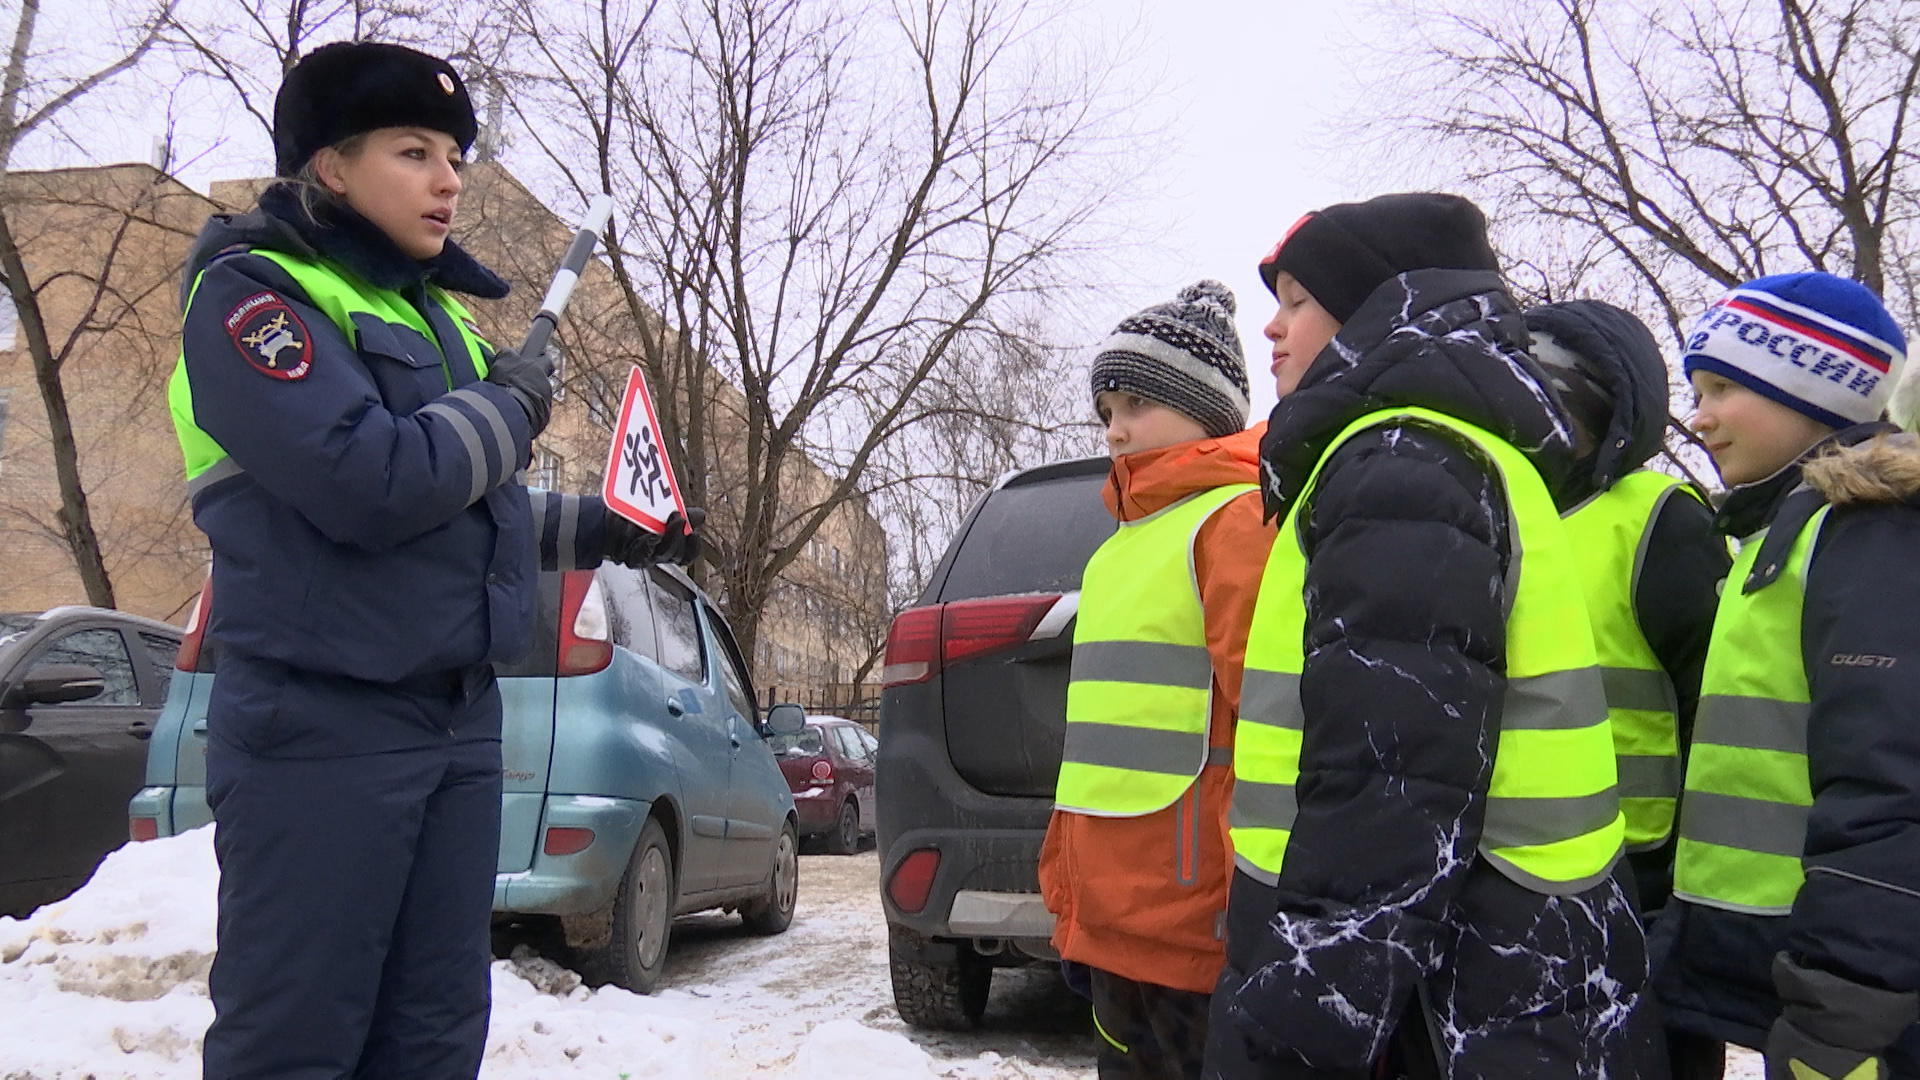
(1253, 89)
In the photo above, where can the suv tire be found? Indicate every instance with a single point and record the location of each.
(937, 996)
(845, 838)
(773, 912)
(636, 955)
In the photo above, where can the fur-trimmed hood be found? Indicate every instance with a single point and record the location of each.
(1884, 469)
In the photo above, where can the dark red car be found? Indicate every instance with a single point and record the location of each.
(829, 766)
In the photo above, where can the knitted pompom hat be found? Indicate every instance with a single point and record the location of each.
(1821, 345)
(1184, 354)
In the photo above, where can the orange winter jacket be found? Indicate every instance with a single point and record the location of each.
(1113, 884)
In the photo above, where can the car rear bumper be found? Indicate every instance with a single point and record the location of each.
(574, 884)
(977, 913)
(818, 808)
(585, 881)
(985, 887)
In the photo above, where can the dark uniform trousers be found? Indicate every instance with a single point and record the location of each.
(355, 890)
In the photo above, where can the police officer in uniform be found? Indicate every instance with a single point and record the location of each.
(351, 447)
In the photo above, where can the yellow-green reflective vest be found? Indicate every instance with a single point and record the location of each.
(1609, 533)
(340, 295)
(1553, 821)
(1743, 816)
(1141, 691)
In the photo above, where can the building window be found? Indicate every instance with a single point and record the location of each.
(547, 467)
(9, 323)
(602, 402)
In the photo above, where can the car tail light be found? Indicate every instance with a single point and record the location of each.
(188, 658)
(586, 644)
(567, 841)
(912, 880)
(143, 828)
(925, 640)
(823, 771)
(913, 647)
(971, 628)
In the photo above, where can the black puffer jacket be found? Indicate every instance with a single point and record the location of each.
(1858, 915)
(1678, 588)
(1386, 926)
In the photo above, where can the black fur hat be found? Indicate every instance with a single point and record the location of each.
(349, 88)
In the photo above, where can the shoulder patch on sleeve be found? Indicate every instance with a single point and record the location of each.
(271, 337)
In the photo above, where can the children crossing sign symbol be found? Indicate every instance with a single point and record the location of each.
(640, 485)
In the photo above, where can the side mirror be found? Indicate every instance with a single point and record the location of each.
(56, 684)
(786, 719)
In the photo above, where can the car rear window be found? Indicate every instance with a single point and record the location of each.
(800, 742)
(1033, 537)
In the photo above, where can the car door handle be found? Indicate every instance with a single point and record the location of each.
(674, 708)
(141, 729)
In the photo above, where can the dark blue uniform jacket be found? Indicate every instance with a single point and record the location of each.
(371, 529)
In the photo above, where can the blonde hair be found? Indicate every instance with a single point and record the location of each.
(313, 193)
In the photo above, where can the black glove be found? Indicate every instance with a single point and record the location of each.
(530, 380)
(630, 545)
(1833, 1028)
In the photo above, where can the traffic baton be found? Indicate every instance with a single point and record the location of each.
(558, 293)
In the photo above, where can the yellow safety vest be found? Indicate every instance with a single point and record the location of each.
(1553, 822)
(1141, 689)
(1743, 815)
(340, 295)
(1609, 533)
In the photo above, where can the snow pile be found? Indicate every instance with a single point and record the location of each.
(111, 984)
(882, 1055)
(112, 981)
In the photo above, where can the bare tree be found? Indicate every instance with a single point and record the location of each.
(244, 47)
(828, 212)
(32, 99)
(1665, 151)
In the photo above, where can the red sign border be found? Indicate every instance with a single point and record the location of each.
(637, 391)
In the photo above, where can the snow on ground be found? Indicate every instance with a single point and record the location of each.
(110, 984)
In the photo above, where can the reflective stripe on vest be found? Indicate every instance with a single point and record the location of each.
(1609, 534)
(340, 296)
(1553, 821)
(1141, 693)
(1743, 816)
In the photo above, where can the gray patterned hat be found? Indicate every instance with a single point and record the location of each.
(1185, 355)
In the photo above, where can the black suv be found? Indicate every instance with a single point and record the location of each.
(972, 720)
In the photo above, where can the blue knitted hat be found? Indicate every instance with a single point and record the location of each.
(1821, 345)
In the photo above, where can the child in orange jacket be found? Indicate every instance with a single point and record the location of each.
(1135, 865)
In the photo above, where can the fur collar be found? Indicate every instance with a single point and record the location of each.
(342, 235)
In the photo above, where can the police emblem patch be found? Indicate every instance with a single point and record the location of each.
(271, 337)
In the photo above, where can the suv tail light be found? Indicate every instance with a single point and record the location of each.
(913, 647)
(925, 640)
(912, 880)
(143, 828)
(586, 644)
(188, 658)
